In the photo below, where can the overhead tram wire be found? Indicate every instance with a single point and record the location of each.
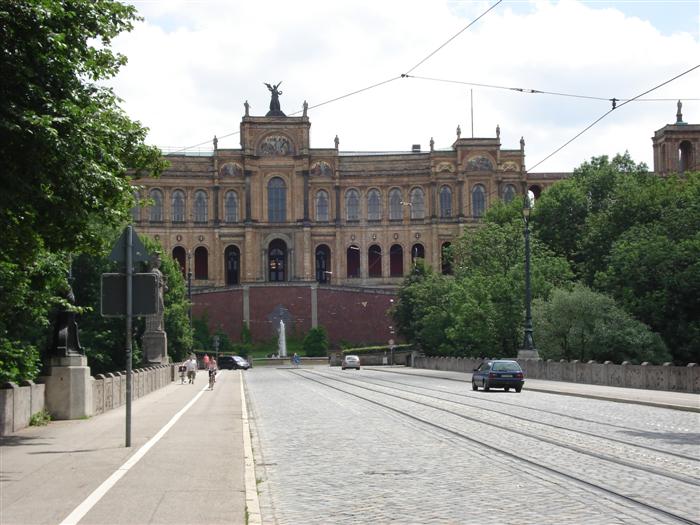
(543, 92)
(403, 75)
(627, 101)
(453, 37)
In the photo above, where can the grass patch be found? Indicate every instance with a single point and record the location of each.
(40, 419)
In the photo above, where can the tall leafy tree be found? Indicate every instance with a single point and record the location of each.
(583, 324)
(66, 149)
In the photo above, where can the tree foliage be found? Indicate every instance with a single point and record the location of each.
(315, 343)
(479, 311)
(586, 325)
(634, 236)
(66, 149)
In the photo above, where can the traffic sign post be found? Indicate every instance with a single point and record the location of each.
(117, 297)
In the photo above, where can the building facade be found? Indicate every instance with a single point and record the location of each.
(277, 210)
(278, 230)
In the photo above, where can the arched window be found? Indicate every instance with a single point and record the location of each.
(156, 211)
(374, 261)
(180, 256)
(478, 200)
(201, 263)
(322, 206)
(231, 206)
(396, 261)
(417, 252)
(232, 261)
(276, 200)
(445, 202)
(374, 206)
(446, 258)
(277, 261)
(417, 203)
(395, 205)
(685, 156)
(136, 208)
(177, 204)
(508, 193)
(353, 262)
(352, 205)
(323, 264)
(200, 206)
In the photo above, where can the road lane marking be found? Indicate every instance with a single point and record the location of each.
(89, 502)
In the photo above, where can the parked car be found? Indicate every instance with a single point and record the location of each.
(233, 362)
(351, 361)
(499, 373)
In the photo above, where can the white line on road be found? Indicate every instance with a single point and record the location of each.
(89, 502)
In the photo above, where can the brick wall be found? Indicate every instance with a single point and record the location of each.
(356, 315)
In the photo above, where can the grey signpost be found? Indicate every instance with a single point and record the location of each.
(128, 250)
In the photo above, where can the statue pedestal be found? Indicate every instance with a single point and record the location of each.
(528, 354)
(69, 388)
(155, 347)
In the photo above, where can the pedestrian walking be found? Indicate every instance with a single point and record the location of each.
(191, 366)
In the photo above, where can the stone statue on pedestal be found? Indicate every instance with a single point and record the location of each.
(155, 340)
(275, 109)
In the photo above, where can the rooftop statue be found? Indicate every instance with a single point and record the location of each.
(275, 110)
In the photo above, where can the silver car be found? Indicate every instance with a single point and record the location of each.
(351, 361)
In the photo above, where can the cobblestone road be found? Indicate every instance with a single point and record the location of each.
(324, 455)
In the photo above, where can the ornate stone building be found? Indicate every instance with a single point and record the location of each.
(277, 210)
(278, 230)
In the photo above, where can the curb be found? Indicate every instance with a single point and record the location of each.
(252, 502)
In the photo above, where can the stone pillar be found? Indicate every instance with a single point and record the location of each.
(248, 174)
(69, 388)
(305, 174)
(314, 305)
(337, 204)
(217, 218)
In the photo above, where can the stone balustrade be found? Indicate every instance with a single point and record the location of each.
(19, 402)
(645, 376)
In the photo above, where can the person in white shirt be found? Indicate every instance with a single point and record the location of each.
(191, 367)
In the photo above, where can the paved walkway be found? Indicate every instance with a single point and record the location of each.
(186, 463)
(190, 459)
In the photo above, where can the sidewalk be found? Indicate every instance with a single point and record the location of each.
(658, 398)
(187, 463)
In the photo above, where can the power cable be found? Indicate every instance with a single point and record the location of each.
(608, 113)
(544, 92)
(453, 37)
(404, 75)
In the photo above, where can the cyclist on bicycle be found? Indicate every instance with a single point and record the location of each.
(212, 373)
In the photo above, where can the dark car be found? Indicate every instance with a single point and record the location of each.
(499, 373)
(233, 362)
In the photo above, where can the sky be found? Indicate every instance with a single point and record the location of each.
(193, 63)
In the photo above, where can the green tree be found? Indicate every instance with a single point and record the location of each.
(316, 342)
(584, 324)
(66, 149)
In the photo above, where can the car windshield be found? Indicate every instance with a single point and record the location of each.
(508, 366)
(238, 359)
(351, 358)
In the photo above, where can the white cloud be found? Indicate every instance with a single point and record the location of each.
(192, 65)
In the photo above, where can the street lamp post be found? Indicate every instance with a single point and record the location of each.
(189, 286)
(528, 350)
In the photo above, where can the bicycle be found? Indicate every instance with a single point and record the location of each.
(212, 378)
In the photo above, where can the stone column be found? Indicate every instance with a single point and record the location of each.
(69, 388)
(305, 174)
(248, 175)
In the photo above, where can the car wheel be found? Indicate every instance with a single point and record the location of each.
(506, 388)
(474, 387)
(486, 386)
(343, 368)
(518, 389)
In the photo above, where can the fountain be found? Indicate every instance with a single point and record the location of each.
(282, 341)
